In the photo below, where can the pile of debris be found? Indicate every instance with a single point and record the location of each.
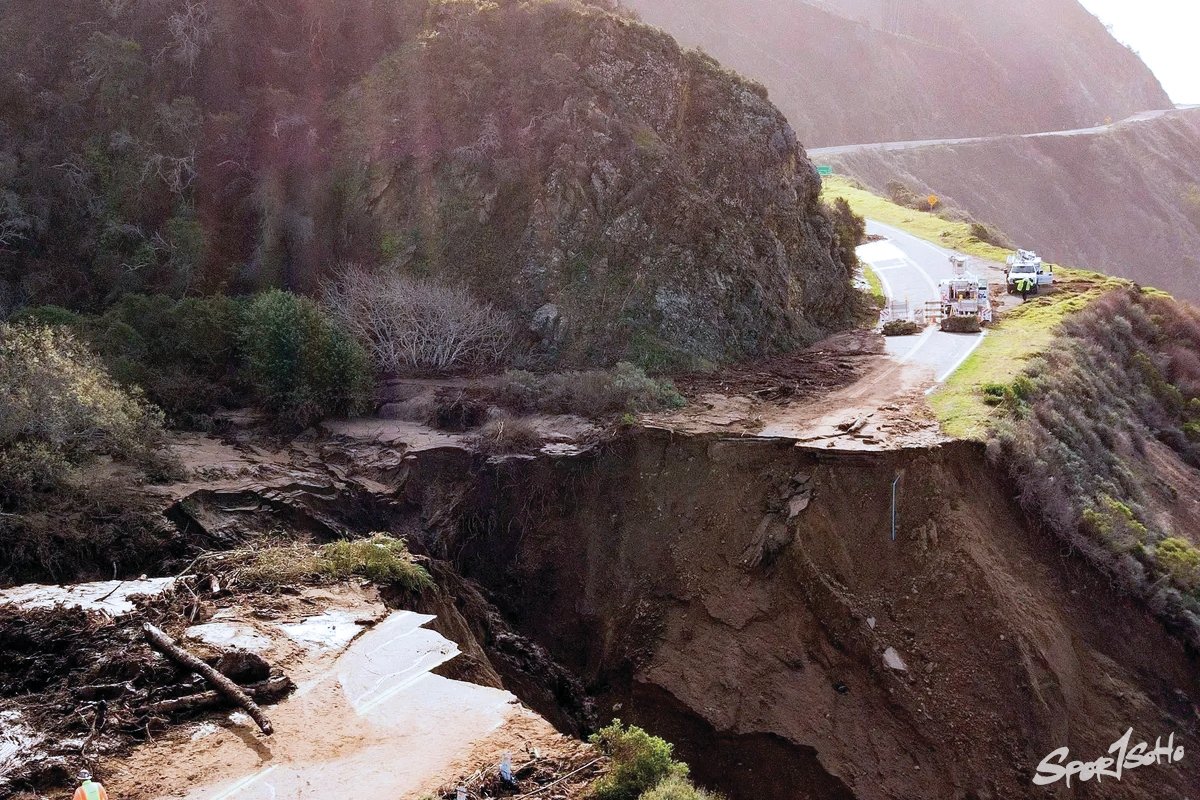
(819, 370)
(85, 676)
(566, 774)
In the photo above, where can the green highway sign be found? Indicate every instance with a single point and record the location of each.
(824, 169)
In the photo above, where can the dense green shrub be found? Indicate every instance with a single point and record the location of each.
(300, 366)
(1113, 522)
(58, 396)
(59, 412)
(989, 235)
(851, 229)
(640, 762)
(380, 558)
(961, 325)
(678, 788)
(1181, 560)
(902, 195)
(195, 356)
(182, 352)
(589, 393)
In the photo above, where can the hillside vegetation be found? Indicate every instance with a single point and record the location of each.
(855, 71)
(1125, 201)
(61, 413)
(1102, 441)
(616, 196)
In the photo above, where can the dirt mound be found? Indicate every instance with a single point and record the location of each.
(827, 365)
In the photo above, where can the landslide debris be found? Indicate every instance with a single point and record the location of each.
(84, 685)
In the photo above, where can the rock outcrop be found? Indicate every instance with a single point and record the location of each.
(562, 158)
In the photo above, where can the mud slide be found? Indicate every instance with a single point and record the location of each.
(746, 597)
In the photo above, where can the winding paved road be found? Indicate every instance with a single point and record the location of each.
(841, 150)
(910, 268)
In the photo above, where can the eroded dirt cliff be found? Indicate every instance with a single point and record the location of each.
(744, 597)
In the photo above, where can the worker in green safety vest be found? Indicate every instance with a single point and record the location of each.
(88, 788)
(1025, 286)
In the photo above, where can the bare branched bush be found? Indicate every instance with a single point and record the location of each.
(411, 325)
(191, 30)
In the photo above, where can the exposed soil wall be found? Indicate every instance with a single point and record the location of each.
(743, 597)
(664, 573)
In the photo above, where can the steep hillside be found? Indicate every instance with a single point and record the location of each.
(553, 156)
(1125, 201)
(849, 71)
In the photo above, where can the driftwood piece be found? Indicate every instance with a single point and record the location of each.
(231, 690)
(265, 690)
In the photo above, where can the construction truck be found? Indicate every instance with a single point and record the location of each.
(966, 303)
(1027, 264)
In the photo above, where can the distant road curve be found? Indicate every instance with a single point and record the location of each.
(1145, 116)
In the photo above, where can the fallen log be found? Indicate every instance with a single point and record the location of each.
(231, 690)
(264, 690)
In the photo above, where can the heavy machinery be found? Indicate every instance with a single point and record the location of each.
(966, 302)
(1027, 264)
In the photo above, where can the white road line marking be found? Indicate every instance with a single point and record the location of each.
(921, 342)
(245, 783)
(391, 692)
(958, 363)
(933, 287)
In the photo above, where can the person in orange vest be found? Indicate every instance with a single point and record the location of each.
(88, 788)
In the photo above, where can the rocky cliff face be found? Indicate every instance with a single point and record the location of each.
(559, 156)
(851, 71)
(555, 156)
(1125, 201)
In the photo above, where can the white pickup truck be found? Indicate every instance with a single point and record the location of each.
(1028, 264)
